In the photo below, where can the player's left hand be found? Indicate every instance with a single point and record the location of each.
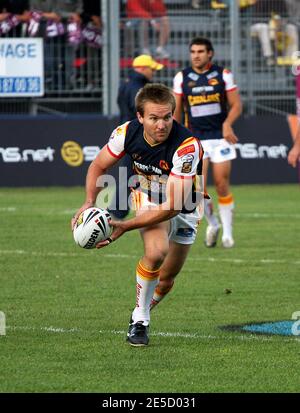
(228, 134)
(118, 231)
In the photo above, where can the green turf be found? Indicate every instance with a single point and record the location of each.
(67, 309)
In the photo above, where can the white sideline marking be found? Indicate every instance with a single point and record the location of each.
(193, 336)
(121, 256)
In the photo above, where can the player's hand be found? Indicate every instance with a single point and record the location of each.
(118, 230)
(228, 134)
(294, 156)
(85, 206)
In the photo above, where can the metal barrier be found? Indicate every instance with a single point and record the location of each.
(256, 44)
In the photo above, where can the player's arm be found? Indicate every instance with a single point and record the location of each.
(108, 156)
(235, 106)
(178, 109)
(177, 191)
(294, 154)
(177, 89)
(96, 170)
(235, 110)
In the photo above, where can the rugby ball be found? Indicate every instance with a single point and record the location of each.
(92, 226)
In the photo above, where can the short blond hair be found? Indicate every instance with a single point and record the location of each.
(155, 93)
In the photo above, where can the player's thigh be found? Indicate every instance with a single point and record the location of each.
(156, 241)
(174, 260)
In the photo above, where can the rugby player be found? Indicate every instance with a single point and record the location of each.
(204, 91)
(167, 160)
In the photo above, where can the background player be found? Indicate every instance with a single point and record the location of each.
(204, 91)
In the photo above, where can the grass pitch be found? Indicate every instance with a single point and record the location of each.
(67, 309)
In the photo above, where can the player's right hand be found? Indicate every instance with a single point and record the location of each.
(85, 206)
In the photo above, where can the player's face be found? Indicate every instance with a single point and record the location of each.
(200, 57)
(157, 122)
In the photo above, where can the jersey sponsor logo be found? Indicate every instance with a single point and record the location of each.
(147, 168)
(253, 151)
(164, 165)
(213, 82)
(212, 74)
(186, 167)
(206, 110)
(193, 76)
(186, 150)
(202, 89)
(199, 100)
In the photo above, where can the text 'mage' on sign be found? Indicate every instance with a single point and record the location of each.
(21, 67)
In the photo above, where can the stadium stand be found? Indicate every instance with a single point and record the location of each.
(73, 60)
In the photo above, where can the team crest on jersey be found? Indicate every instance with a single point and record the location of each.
(164, 165)
(213, 82)
(136, 156)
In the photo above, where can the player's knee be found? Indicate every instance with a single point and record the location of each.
(222, 187)
(156, 256)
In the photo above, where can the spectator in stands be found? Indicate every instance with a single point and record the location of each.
(143, 70)
(19, 9)
(276, 35)
(89, 58)
(151, 12)
(3, 14)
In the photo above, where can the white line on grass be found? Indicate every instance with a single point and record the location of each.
(121, 256)
(71, 211)
(192, 336)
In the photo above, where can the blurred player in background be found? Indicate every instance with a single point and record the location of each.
(204, 92)
(167, 160)
(144, 68)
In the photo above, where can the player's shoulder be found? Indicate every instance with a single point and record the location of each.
(183, 136)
